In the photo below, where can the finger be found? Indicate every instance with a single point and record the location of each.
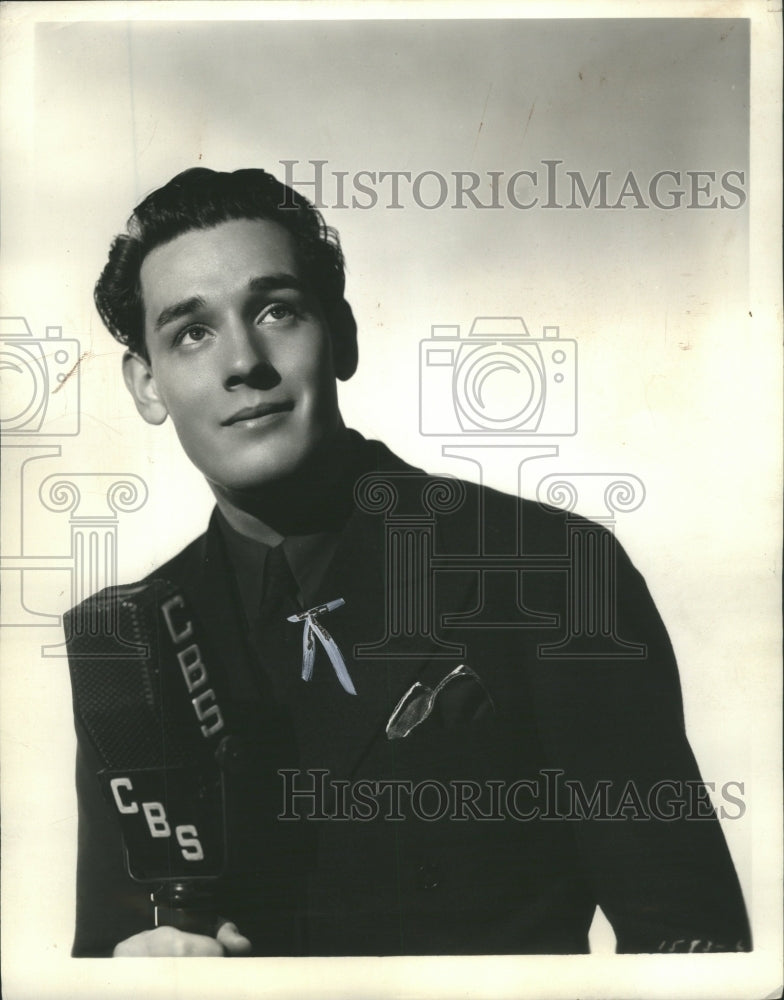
(231, 939)
(168, 942)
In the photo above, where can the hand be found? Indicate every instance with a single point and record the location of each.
(168, 941)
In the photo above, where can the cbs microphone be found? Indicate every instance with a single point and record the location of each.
(145, 702)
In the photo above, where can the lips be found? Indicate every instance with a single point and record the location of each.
(256, 412)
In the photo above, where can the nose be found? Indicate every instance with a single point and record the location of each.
(247, 359)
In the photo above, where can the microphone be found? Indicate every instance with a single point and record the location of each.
(144, 701)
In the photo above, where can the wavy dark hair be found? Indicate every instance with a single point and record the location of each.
(200, 199)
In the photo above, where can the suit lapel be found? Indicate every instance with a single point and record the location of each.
(337, 728)
(211, 590)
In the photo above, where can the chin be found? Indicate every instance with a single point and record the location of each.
(257, 473)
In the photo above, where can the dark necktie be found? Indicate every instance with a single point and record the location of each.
(278, 641)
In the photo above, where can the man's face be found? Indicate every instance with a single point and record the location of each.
(240, 354)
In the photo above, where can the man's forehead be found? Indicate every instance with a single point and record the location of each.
(228, 255)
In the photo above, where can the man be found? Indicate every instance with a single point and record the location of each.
(388, 773)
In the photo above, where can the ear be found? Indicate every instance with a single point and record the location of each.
(141, 384)
(343, 328)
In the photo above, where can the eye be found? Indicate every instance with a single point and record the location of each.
(276, 313)
(191, 335)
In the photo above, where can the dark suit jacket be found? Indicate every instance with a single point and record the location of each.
(461, 883)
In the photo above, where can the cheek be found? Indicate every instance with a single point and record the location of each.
(185, 391)
(189, 410)
(313, 372)
(322, 391)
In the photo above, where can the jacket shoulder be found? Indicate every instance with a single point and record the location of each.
(178, 570)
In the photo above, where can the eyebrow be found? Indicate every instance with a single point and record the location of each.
(179, 309)
(267, 283)
(271, 282)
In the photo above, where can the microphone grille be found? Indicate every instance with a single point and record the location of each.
(127, 687)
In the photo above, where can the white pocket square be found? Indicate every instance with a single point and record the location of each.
(460, 696)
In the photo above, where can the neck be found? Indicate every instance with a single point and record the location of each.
(313, 499)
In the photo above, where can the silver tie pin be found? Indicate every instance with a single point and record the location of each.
(314, 628)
